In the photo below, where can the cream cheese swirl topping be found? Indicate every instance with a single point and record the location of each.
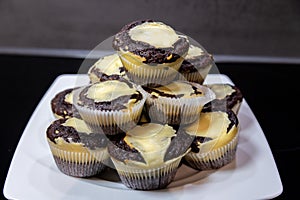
(109, 90)
(78, 124)
(151, 140)
(156, 34)
(180, 89)
(221, 90)
(213, 125)
(194, 52)
(109, 65)
(69, 97)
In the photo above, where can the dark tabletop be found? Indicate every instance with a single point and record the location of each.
(271, 90)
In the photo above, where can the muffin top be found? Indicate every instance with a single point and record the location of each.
(213, 130)
(227, 96)
(109, 95)
(62, 104)
(108, 67)
(152, 41)
(150, 144)
(179, 89)
(195, 59)
(73, 134)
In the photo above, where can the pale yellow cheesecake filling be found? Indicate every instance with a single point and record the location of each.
(179, 88)
(156, 34)
(194, 52)
(78, 124)
(69, 97)
(110, 90)
(221, 90)
(61, 144)
(152, 141)
(109, 65)
(133, 63)
(213, 125)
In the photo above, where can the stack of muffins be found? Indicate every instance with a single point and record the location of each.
(146, 110)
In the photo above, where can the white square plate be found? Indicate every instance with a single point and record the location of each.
(33, 174)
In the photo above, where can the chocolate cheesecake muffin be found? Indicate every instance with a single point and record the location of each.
(150, 51)
(147, 157)
(228, 97)
(62, 104)
(216, 140)
(111, 106)
(196, 65)
(179, 102)
(108, 67)
(76, 150)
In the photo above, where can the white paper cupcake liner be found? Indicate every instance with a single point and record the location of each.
(144, 74)
(79, 164)
(214, 159)
(146, 178)
(178, 111)
(88, 156)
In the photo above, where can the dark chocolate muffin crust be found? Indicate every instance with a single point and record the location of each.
(61, 107)
(120, 150)
(179, 145)
(193, 65)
